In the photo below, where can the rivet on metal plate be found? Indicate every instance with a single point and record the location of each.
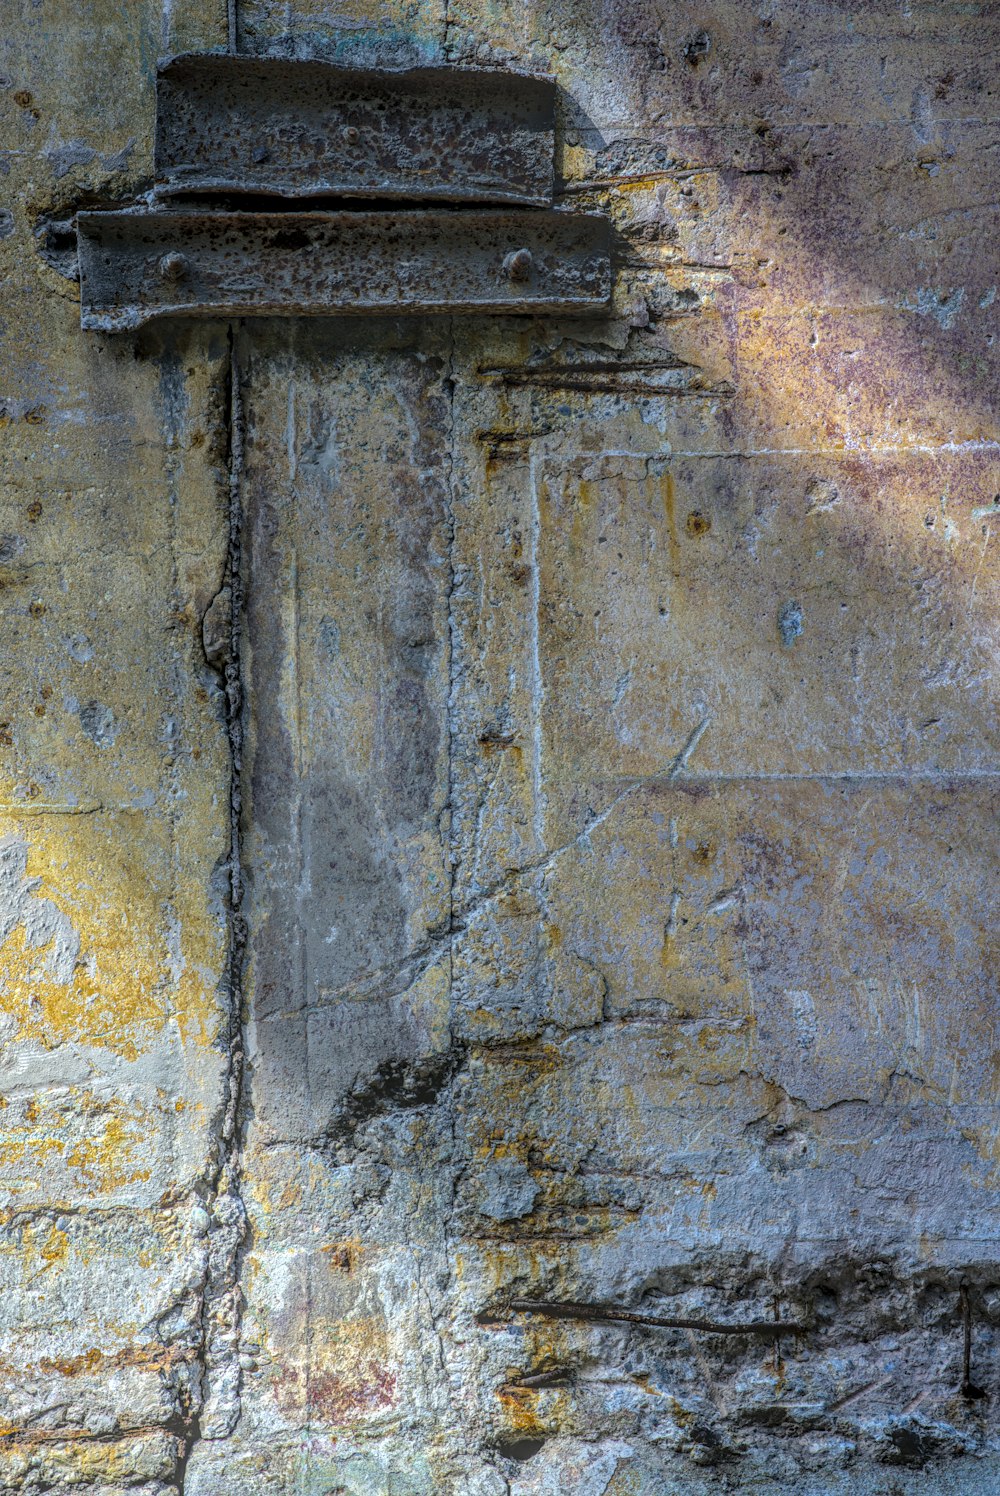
(173, 266)
(518, 264)
(320, 264)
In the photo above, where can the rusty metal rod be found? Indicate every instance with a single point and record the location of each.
(605, 1313)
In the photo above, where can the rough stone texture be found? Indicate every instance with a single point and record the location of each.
(607, 711)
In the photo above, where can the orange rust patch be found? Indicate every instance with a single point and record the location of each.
(341, 1255)
(669, 509)
(149, 1357)
(520, 1408)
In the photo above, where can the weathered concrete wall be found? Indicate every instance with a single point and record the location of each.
(606, 713)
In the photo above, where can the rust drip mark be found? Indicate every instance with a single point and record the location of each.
(852, 1396)
(634, 180)
(150, 1357)
(770, 1329)
(22, 1438)
(627, 377)
(559, 1376)
(968, 1389)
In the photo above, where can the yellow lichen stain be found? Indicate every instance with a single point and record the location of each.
(55, 1247)
(492, 746)
(516, 906)
(682, 1416)
(288, 1197)
(49, 1011)
(93, 882)
(643, 1380)
(586, 505)
(15, 1150)
(104, 1162)
(543, 1058)
(113, 1150)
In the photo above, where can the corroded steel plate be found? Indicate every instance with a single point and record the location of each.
(311, 129)
(136, 266)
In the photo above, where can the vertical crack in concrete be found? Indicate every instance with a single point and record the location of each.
(219, 1409)
(450, 643)
(234, 729)
(448, 838)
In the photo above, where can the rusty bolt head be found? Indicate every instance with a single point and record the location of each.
(697, 45)
(173, 266)
(352, 134)
(518, 264)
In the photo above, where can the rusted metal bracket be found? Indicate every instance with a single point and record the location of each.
(233, 129)
(310, 129)
(136, 266)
